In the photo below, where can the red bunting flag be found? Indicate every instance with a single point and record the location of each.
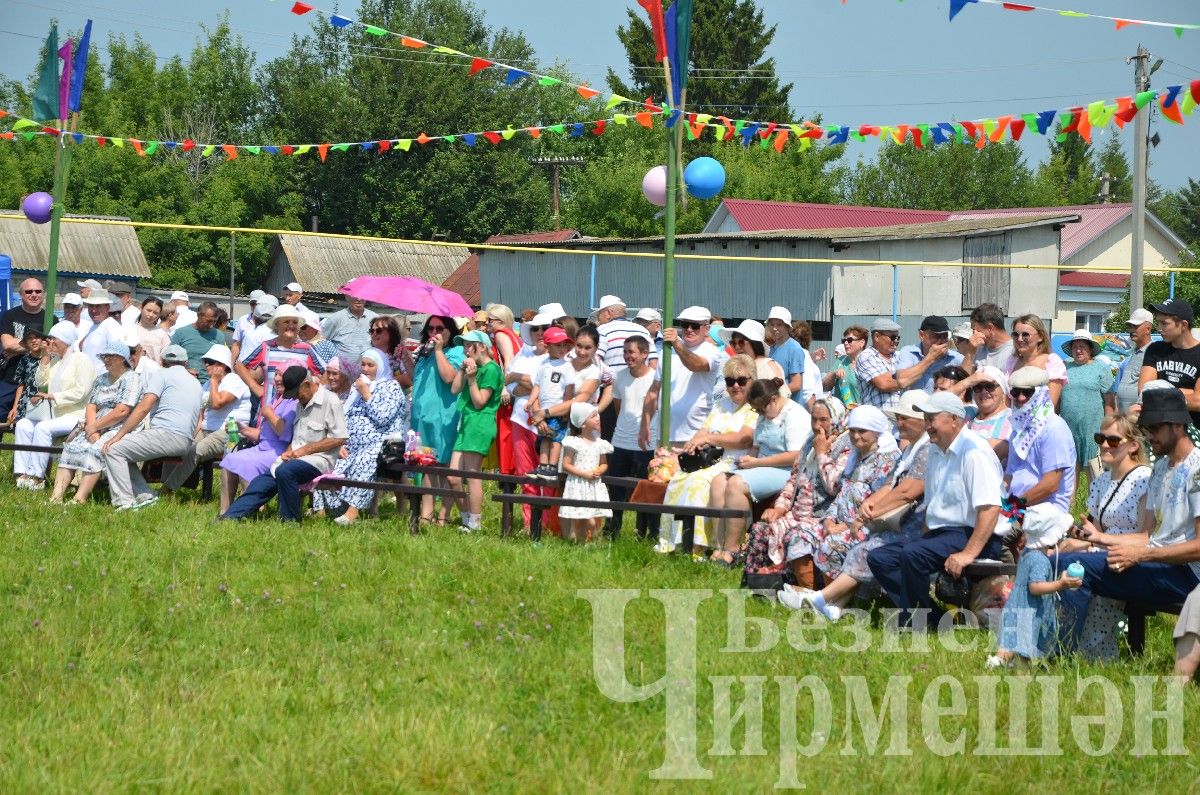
(598, 127)
(188, 144)
(1018, 7)
(287, 149)
(1126, 110)
(1195, 90)
(385, 145)
(1001, 125)
(918, 138)
(767, 132)
(1016, 128)
(478, 65)
(102, 141)
(657, 27)
(3, 113)
(300, 9)
(1077, 115)
(493, 136)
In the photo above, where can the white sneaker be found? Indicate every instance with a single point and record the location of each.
(996, 661)
(22, 481)
(833, 612)
(664, 547)
(146, 503)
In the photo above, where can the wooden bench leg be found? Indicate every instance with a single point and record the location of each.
(1137, 630)
(689, 533)
(414, 515)
(506, 511)
(535, 523)
(206, 480)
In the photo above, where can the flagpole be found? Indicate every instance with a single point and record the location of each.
(668, 301)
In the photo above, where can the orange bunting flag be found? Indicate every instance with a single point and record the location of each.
(780, 140)
(644, 119)
(1001, 125)
(478, 65)
(1083, 127)
(1170, 111)
(7, 136)
(587, 93)
(535, 132)
(137, 146)
(423, 139)
(1123, 23)
(323, 151)
(231, 151)
(408, 41)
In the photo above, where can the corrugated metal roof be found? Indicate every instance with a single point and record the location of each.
(323, 264)
(950, 228)
(84, 249)
(553, 236)
(465, 279)
(759, 216)
(1094, 220)
(1085, 279)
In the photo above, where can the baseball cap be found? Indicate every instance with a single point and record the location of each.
(780, 313)
(180, 295)
(256, 296)
(554, 336)
(695, 314)
(649, 315)
(74, 299)
(909, 402)
(473, 336)
(266, 307)
(943, 403)
(934, 323)
(610, 300)
(963, 331)
(294, 287)
(117, 288)
(175, 354)
(292, 378)
(90, 284)
(1175, 307)
(1136, 318)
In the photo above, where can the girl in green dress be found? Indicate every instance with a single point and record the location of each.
(477, 383)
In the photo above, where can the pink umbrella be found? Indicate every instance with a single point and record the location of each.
(408, 293)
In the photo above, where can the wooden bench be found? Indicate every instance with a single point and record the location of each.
(409, 489)
(1137, 613)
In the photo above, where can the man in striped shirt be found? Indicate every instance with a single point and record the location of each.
(614, 329)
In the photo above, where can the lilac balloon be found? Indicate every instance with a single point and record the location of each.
(37, 207)
(654, 186)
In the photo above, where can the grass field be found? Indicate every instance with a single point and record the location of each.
(160, 651)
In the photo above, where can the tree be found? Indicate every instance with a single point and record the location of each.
(728, 74)
(1114, 165)
(1069, 175)
(1180, 210)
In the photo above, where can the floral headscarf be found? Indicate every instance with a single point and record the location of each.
(1029, 421)
(837, 427)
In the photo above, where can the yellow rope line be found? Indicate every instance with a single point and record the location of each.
(603, 253)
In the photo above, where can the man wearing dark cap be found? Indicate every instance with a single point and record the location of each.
(320, 431)
(1160, 565)
(934, 332)
(1176, 359)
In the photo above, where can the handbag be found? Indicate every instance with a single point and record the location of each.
(40, 412)
(950, 590)
(766, 581)
(891, 521)
(704, 456)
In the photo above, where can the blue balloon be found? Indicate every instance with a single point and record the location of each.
(704, 177)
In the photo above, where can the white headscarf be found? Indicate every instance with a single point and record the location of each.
(869, 418)
(383, 372)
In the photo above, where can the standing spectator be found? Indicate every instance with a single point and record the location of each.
(628, 457)
(310, 332)
(1088, 380)
(1125, 392)
(171, 399)
(151, 338)
(519, 383)
(63, 390)
(113, 396)
(104, 329)
(166, 321)
(87, 285)
(130, 312)
(695, 368)
(988, 387)
(1041, 453)
(319, 432)
(933, 331)
(843, 381)
(142, 363)
(1187, 639)
(550, 401)
(292, 293)
(198, 338)
(960, 514)
(506, 345)
(811, 387)
(276, 355)
(72, 309)
(478, 384)
(614, 329)
(30, 314)
(252, 339)
(1031, 348)
(388, 338)
(651, 320)
(377, 407)
(584, 464)
(880, 381)
(26, 372)
(349, 329)
(184, 316)
(1176, 359)
(434, 406)
(786, 351)
(246, 322)
(990, 343)
(226, 398)
(961, 335)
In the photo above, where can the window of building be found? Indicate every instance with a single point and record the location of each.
(1092, 321)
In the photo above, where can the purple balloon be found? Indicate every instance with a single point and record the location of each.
(654, 186)
(38, 206)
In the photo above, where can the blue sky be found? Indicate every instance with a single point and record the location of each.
(864, 62)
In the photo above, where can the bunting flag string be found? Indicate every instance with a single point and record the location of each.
(478, 64)
(1120, 22)
(1175, 102)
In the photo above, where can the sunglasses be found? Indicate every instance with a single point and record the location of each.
(1023, 335)
(985, 387)
(1103, 439)
(33, 292)
(688, 325)
(738, 340)
(436, 328)
(848, 340)
(537, 329)
(891, 335)
(741, 381)
(494, 320)
(1022, 391)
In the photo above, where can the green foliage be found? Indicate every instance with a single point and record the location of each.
(1112, 161)
(1069, 176)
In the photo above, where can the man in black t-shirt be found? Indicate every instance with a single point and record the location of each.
(1176, 359)
(31, 312)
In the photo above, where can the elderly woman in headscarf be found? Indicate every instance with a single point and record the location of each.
(1041, 452)
(339, 377)
(806, 495)
(894, 514)
(63, 390)
(873, 456)
(377, 407)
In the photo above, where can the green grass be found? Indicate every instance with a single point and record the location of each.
(161, 651)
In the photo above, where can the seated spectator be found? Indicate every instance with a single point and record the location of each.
(114, 395)
(226, 398)
(842, 530)
(1082, 406)
(945, 378)
(1176, 357)
(37, 353)
(749, 339)
(1031, 348)
(730, 426)
(339, 377)
(783, 429)
(1041, 453)
(377, 407)
(171, 399)
(320, 431)
(1160, 564)
(988, 387)
(310, 332)
(269, 437)
(786, 352)
(1114, 509)
(961, 514)
(777, 538)
(104, 328)
(64, 386)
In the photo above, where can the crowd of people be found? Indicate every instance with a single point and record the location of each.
(902, 463)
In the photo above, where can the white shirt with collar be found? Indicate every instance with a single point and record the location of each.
(968, 477)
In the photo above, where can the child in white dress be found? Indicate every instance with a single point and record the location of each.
(583, 461)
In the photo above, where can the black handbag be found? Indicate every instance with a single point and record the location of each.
(391, 453)
(705, 456)
(951, 590)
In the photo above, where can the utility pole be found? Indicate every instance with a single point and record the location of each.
(556, 164)
(1141, 129)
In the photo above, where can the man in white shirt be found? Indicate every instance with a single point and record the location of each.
(292, 293)
(104, 328)
(184, 314)
(614, 329)
(629, 458)
(960, 516)
(695, 368)
(87, 285)
(246, 344)
(129, 313)
(72, 307)
(246, 322)
(1125, 393)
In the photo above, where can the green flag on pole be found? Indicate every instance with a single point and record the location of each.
(45, 99)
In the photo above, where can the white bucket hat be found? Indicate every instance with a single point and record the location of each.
(780, 313)
(750, 329)
(283, 313)
(219, 354)
(554, 310)
(540, 319)
(98, 297)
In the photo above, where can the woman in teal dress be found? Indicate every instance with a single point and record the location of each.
(434, 405)
(1083, 397)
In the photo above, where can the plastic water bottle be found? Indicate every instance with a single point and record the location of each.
(232, 437)
(1075, 570)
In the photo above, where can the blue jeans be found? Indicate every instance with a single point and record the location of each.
(903, 571)
(289, 477)
(1155, 584)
